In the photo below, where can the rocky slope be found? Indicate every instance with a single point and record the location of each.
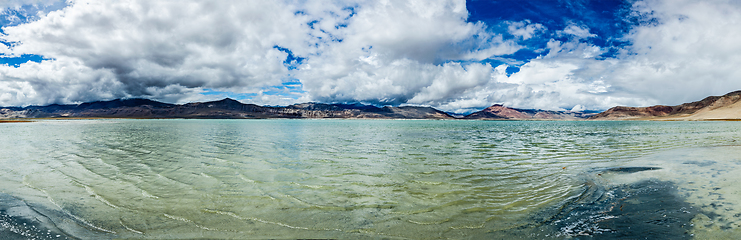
(499, 112)
(726, 107)
(226, 108)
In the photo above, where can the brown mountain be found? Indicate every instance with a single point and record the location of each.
(500, 112)
(226, 108)
(726, 107)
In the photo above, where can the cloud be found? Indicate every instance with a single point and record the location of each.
(577, 31)
(17, 4)
(524, 29)
(680, 51)
(164, 48)
(410, 52)
(395, 52)
(150, 49)
(14, 12)
(44, 83)
(690, 51)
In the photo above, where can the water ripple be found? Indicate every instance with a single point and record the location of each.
(320, 179)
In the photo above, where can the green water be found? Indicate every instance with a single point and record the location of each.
(153, 179)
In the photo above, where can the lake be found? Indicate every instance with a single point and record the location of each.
(369, 179)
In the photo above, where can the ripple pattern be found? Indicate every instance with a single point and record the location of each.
(317, 178)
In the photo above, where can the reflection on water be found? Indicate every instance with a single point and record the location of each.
(364, 179)
(707, 178)
(649, 209)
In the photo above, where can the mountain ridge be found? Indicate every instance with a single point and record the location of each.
(225, 108)
(500, 112)
(725, 107)
(230, 108)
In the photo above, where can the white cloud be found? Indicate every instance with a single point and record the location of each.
(17, 4)
(394, 52)
(691, 53)
(524, 29)
(572, 49)
(577, 31)
(49, 81)
(386, 52)
(159, 49)
(13, 12)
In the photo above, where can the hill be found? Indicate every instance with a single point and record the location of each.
(226, 108)
(726, 107)
(499, 112)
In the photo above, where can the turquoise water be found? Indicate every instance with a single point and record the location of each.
(98, 179)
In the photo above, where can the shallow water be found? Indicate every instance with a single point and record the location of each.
(104, 179)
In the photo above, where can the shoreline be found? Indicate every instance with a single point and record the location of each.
(15, 121)
(651, 119)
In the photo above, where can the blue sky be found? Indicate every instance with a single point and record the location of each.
(457, 56)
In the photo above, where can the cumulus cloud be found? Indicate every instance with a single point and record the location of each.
(394, 52)
(14, 12)
(150, 45)
(689, 52)
(382, 52)
(159, 49)
(682, 51)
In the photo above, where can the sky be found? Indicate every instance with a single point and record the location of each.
(455, 55)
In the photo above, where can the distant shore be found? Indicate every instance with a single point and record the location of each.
(14, 121)
(654, 119)
(713, 108)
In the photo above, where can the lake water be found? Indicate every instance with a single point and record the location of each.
(369, 179)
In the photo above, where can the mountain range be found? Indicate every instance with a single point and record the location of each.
(726, 107)
(226, 108)
(500, 112)
(230, 108)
